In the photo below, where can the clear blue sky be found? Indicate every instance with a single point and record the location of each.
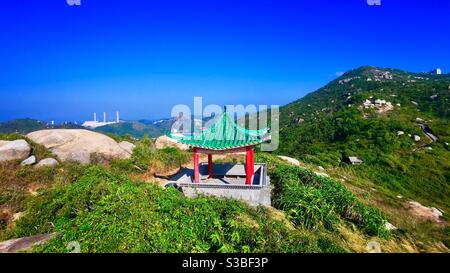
(64, 62)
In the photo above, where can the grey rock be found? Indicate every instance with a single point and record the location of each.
(78, 145)
(291, 160)
(25, 243)
(14, 150)
(127, 146)
(47, 162)
(164, 141)
(29, 161)
(389, 226)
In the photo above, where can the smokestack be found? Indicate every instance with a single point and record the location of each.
(95, 116)
(104, 117)
(117, 116)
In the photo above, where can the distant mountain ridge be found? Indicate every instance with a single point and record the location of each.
(135, 129)
(27, 125)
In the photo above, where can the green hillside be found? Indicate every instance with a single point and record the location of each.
(27, 125)
(162, 125)
(131, 128)
(327, 126)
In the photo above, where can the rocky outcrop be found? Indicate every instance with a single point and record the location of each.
(321, 174)
(78, 145)
(425, 213)
(389, 226)
(47, 162)
(297, 163)
(165, 141)
(25, 243)
(14, 150)
(29, 161)
(127, 146)
(291, 160)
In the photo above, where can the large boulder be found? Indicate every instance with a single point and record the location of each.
(14, 150)
(78, 145)
(165, 141)
(127, 146)
(423, 212)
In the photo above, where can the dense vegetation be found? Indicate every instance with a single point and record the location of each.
(107, 212)
(311, 201)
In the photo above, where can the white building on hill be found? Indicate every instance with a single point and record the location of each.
(436, 71)
(92, 124)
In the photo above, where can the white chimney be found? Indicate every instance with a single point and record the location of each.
(95, 116)
(117, 116)
(104, 117)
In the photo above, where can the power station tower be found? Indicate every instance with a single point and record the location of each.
(117, 117)
(95, 116)
(104, 117)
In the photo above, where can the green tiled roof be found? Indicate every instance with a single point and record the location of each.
(224, 134)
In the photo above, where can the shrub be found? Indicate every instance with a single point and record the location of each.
(312, 201)
(146, 157)
(144, 153)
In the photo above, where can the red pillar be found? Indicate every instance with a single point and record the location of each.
(196, 171)
(249, 165)
(210, 166)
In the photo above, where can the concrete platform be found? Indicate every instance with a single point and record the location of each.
(228, 181)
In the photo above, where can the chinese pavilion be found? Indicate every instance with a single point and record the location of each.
(224, 136)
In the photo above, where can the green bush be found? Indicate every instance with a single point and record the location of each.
(312, 201)
(145, 156)
(173, 157)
